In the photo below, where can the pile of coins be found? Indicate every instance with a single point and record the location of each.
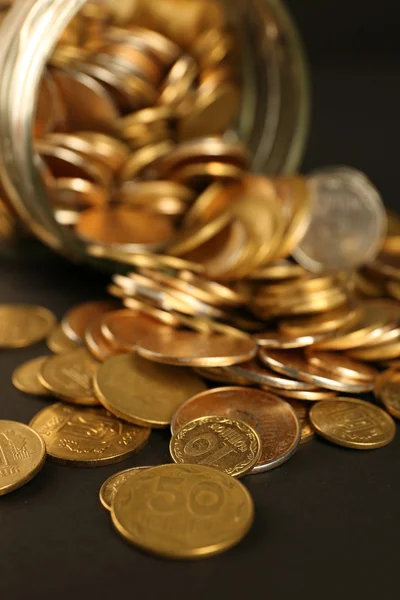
(285, 290)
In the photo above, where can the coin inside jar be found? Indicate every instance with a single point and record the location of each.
(125, 226)
(271, 417)
(229, 445)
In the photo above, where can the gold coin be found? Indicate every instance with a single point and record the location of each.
(341, 365)
(23, 454)
(88, 104)
(387, 390)
(377, 317)
(59, 343)
(295, 365)
(146, 308)
(142, 392)
(327, 322)
(378, 352)
(193, 349)
(271, 417)
(254, 372)
(278, 270)
(179, 82)
(107, 149)
(87, 437)
(78, 318)
(111, 486)
(353, 423)
(212, 114)
(199, 175)
(70, 377)
(302, 411)
(124, 328)
(98, 345)
(63, 162)
(143, 159)
(191, 238)
(296, 196)
(78, 194)
(125, 226)
(155, 510)
(272, 339)
(144, 259)
(231, 446)
(26, 377)
(318, 395)
(22, 325)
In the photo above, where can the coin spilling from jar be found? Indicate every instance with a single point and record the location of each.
(247, 313)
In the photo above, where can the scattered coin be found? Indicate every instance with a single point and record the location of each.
(59, 343)
(229, 445)
(26, 377)
(70, 377)
(387, 390)
(353, 423)
(111, 486)
(22, 325)
(155, 509)
(142, 392)
(78, 318)
(271, 417)
(87, 437)
(23, 454)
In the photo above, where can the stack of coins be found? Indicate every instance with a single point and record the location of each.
(246, 313)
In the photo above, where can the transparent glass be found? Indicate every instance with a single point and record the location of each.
(273, 120)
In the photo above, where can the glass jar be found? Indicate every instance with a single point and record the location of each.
(273, 119)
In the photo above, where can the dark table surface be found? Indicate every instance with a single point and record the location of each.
(326, 521)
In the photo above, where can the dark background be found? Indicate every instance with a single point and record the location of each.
(327, 521)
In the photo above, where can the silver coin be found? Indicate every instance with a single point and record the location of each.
(348, 223)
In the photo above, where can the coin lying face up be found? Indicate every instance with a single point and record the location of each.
(111, 486)
(87, 437)
(182, 511)
(231, 446)
(23, 454)
(272, 418)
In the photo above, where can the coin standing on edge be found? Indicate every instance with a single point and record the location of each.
(183, 511)
(87, 437)
(23, 454)
(353, 423)
(111, 486)
(229, 445)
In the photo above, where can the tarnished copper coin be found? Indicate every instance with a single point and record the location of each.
(87, 437)
(272, 418)
(78, 318)
(124, 328)
(194, 349)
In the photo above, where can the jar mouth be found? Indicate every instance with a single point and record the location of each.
(273, 117)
